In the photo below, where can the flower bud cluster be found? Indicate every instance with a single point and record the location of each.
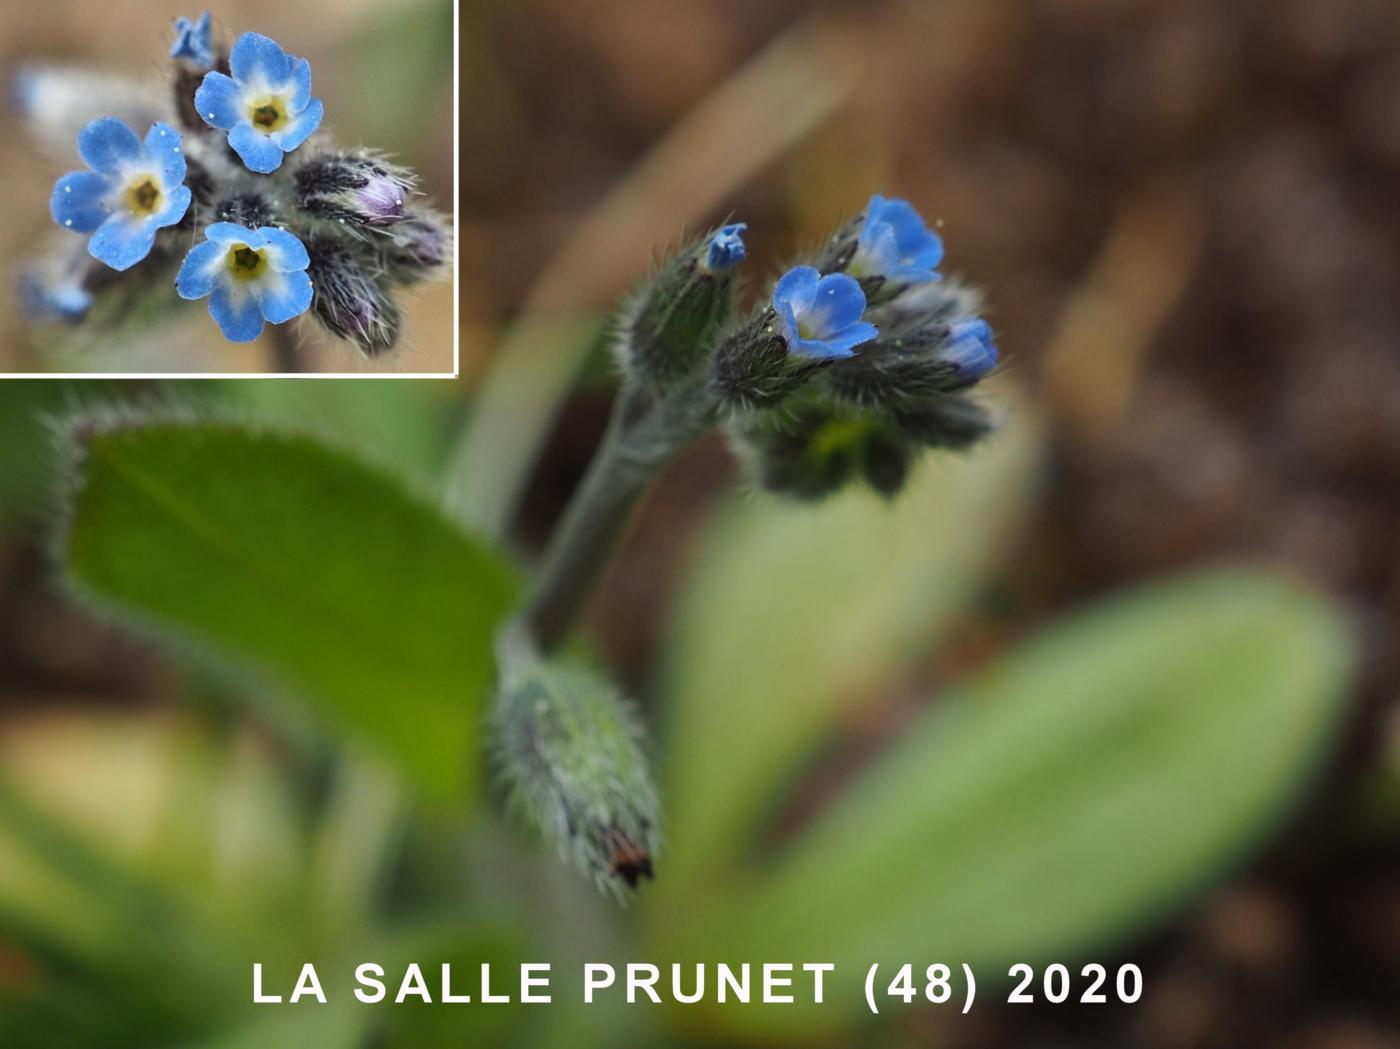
(858, 358)
(234, 162)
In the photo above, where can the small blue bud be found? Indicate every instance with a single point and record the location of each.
(54, 297)
(726, 248)
(971, 349)
(821, 316)
(194, 41)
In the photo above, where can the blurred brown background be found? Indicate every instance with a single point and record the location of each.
(1184, 215)
(383, 70)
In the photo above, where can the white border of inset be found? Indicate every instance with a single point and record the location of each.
(456, 286)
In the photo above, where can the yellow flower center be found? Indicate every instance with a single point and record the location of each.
(143, 197)
(268, 114)
(246, 263)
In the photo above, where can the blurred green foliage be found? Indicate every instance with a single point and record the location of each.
(1067, 798)
(303, 561)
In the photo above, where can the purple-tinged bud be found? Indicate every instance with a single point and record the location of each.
(417, 248)
(348, 301)
(357, 190)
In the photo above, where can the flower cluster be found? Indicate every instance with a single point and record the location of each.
(282, 222)
(860, 355)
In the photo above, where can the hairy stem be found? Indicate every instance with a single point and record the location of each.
(643, 436)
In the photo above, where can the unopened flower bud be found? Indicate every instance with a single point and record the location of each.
(194, 42)
(416, 249)
(670, 329)
(349, 300)
(752, 368)
(357, 189)
(568, 749)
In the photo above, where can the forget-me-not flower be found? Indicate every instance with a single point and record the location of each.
(194, 40)
(726, 247)
(970, 348)
(895, 244)
(251, 277)
(133, 189)
(266, 106)
(821, 315)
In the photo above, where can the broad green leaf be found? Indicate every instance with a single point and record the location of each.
(1070, 797)
(299, 561)
(791, 611)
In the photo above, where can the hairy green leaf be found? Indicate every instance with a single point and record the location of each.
(297, 560)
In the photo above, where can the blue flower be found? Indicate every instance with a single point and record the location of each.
(821, 315)
(250, 276)
(133, 190)
(895, 244)
(266, 106)
(970, 348)
(726, 248)
(194, 40)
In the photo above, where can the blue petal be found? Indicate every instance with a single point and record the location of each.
(235, 312)
(174, 211)
(843, 342)
(839, 300)
(199, 270)
(258, 151)
(79, 201)
(879, 248)
(219, 102)
(108, 145)
(284, 296)
(163, 147)
(914, 275)
(840, 345)
(896, 242)
(227, 233)
(259, 60)
(302, 126)
(796, 288)
(300, 84)
(121, 242)
(286, 253)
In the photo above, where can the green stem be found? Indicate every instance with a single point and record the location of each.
(643, 436)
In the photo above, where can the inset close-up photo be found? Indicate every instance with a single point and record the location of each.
(286, 171)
